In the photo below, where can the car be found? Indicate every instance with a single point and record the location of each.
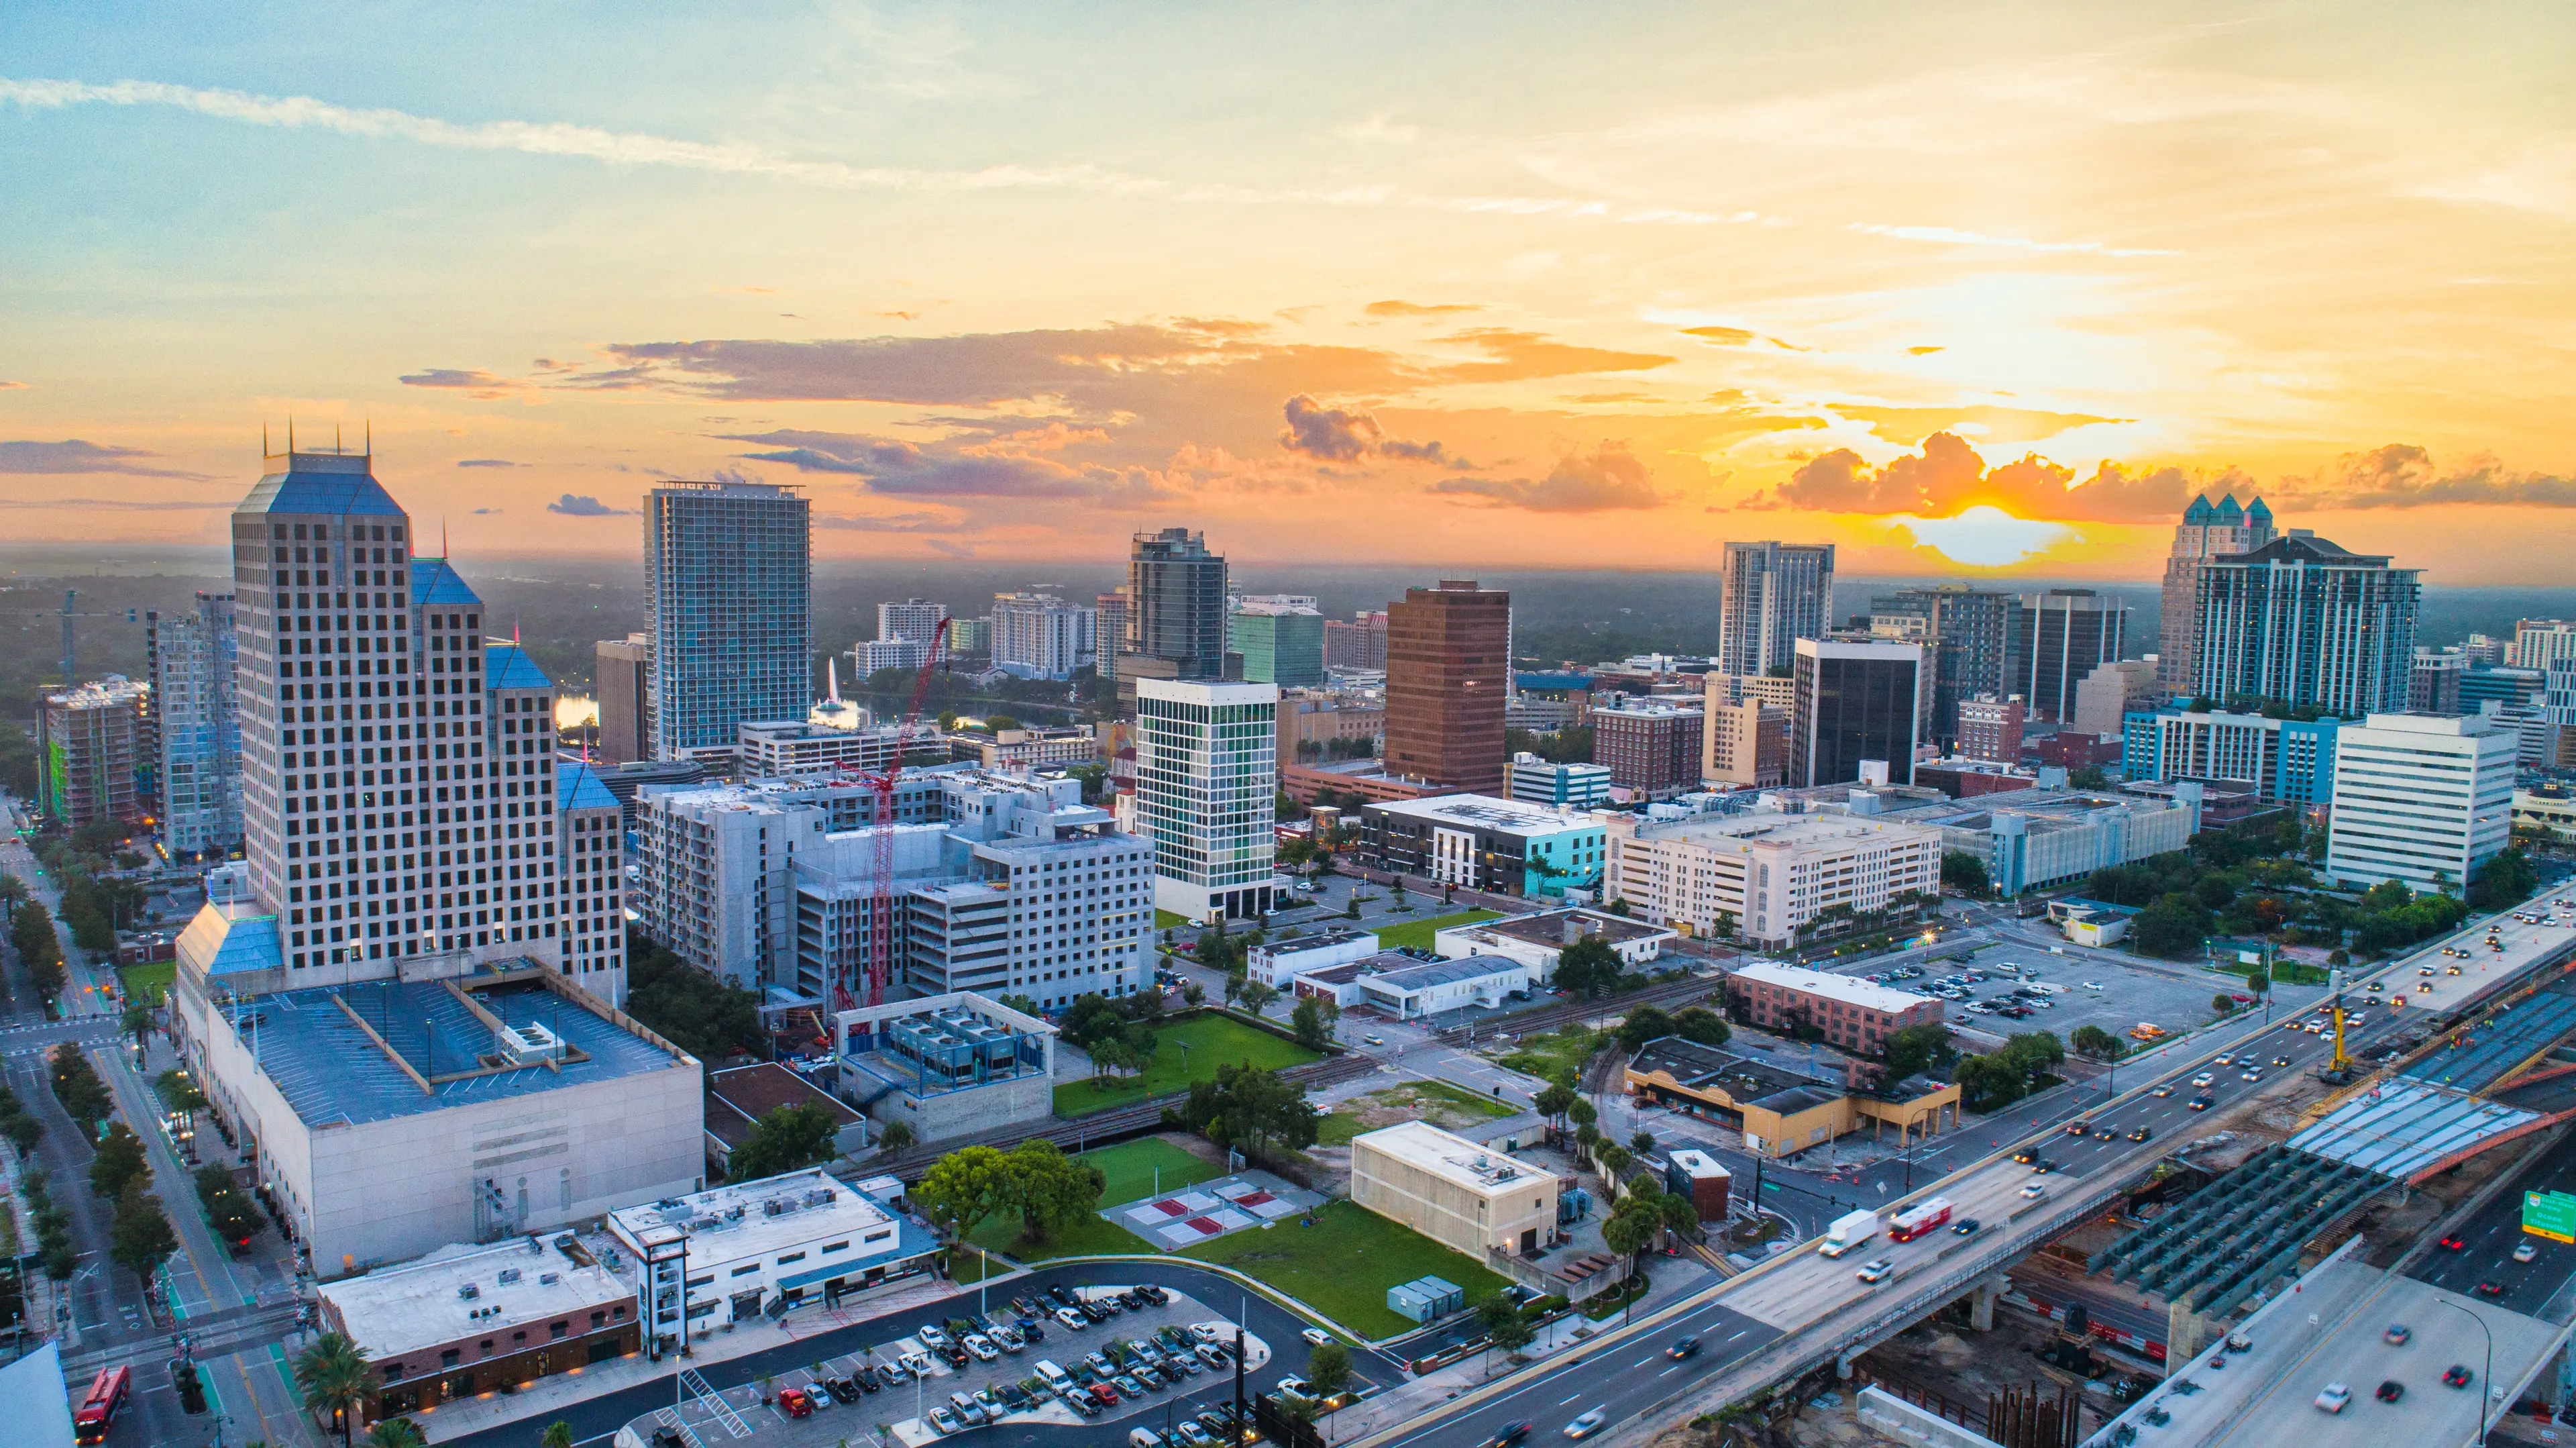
(2106, 1134)
(1064, 1296)
(2092, 985)
(2423, 970)
(1192, 1434)
(1966, 1226)
(2255, 1076)
(1071, 1319)
(944, 1422)
(2203, 1103)
(2042, 1167)
(2454, 1244)
(1508, 1434)
(1295, 1387)
(2334, 1397)
(2224, 1058)
(968, 1410)
(1317, 1336)
(1127, 1385)
(2398, 1334)
(1099, 1364)
(1213, 1356)
(845, 1389)
(2142, 1133)
(2205, 1079)
(982, 1347)
(1218, 1421)
(2489, 1288)
(1210, 1332)
(1134, 1299)
(1104, 1394)
(868, 1379)
(1144, 1438)
(1097, 1311)
(1373, 1039)
(1878, 1271)
(1589, 1424)
(1151, 1376)
(1683, 1347)
(2035, 1190)
(2079, 1128)
(2280, 1060)
(2026, 1155)
(2162, 1091)
(2390, 1390)
(1007, 1338)
(2451, 970)
(2456, 1376)
(932, 1337)
(794, 1403)
(1155, 1295)
(2524, 1251)
(957, 1356)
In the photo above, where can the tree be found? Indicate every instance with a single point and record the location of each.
(1700, 1024)
(1553, 1101)
(2173, 927)
(1964, 872)
(1313, 1021)
(2091, 776)
(1643, 1023)
(333, 1376)
(1328, 1369)
(963, 1188)
(236, 1217)
(1681, 1215)
(1195, 993)
(136, 1022)
(118, 1162)
(1501, 1319)
(1633, 1226)
(1250, 1108)
(1257, 997)
(558, 1434)
(1588, 968)
(140, 1236)
(1912, 1048)
(1582, 1112)
(688, 1007)
(789, 1138)
(1642, 1142)
(2098, 1043)
(1024, 1005)
(895, 1135)
(2503, 880)
(1586, 1137)
(404, 1433)
(1048, 1188)
(77, 1087)
(1090, 1017)
(1614, 1159)
(2222, 1003)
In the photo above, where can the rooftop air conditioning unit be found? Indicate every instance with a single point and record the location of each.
(469, 1292)
(548, 1279)
(509, 1275)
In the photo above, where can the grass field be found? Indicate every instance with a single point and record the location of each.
(1419, 933)
(147, 984)
(1336, 1128)
(1343, 1265)
(1090, 1235)
(1557, 1056)
(1213, 1041)
(1131, 1167)
(1166, 920)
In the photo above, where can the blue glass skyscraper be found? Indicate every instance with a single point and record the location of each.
(728, 599)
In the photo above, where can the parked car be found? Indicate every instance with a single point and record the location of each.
(1144, 1438)
(1213, 1356)
(1071, 1319)
(794, 1403)
(945, 1422)
(1192, 1434)
(982, 1347)
(932, 1337)
(1317, 1336)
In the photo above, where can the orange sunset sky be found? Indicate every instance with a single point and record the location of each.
(1978, 287)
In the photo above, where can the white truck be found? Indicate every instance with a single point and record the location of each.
(1848, 1231)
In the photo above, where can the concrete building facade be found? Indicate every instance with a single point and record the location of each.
(2205, 533)
(2420, 799)
(621, 681)
(1453, 1191)
(91, 756)
(1481, 842)
(1559, 786)
(1743, 745)
(1207, 769)
(2059, 637)
(1765, 877)
(1281, 642)
(1650, 747)
(2287, 761)
(2300, 621)
(2112, 692)
(1040, 636)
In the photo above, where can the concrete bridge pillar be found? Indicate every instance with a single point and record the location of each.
(1843, 1367)
(1981, 1302)
(2186, 1333)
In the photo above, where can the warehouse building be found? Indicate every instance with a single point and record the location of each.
(1453, 1191)
(756, 1249)
(466, 1321)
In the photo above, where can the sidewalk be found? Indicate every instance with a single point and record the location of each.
(550, 1395)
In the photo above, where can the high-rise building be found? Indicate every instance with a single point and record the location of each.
(1040, 636)
(2112, 692)
(2286, 761)
(2433, 683)
(2512, 688)
(2059, 637)
(90, 754)
(1207, 769)
(1448, 681)
(1109, 631)
(1281, 641)
(1649, 746)
(1770, 595)
(2300, 621)
(1990, 729)
(2419, 799)
(1857, 701)
(915, 619)
(1743, 745)
(1359, 644)
(1560, 786)
(2205, 533)
(2540, 642)
(728, 601)
(1175, 611)
(590, 853)
(622, 679)
(194, 728)
(2485, 651)
(1968, 634)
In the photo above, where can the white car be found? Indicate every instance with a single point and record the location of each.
(1215, 1332)
(1144, 1438)
(1073, 1321)
(2205, 1079)
(1587, 1425)
(1877, 1271)
(2035, 1190)
(2334, 1397)
(932, 1337)
(2092, 985)
(1296, 1387)
(982, 1347)
(1317, 1336)
(2524, 1251)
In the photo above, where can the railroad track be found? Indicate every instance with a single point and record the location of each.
(1670, 994)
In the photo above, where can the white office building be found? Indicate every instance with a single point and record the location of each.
(1207, 771)
(1561, 786)
(2419, 798)
(914, 620)
(1040, 636)
(878, 654)
(758, 1248)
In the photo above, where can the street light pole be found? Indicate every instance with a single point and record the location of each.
(2486, 1383)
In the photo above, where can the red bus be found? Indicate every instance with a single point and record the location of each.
(1914, 1221)
(98, 1411)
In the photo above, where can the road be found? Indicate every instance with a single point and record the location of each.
(2537, 1288)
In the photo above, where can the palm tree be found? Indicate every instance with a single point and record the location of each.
(558, 1434)
(404, 1433)
(333, 1374)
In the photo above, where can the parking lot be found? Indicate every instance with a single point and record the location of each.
(1169, 1359)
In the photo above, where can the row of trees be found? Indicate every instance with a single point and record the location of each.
(1251, 1110)
(688, 1007)
(1034, 1181)
(2003, 1076)
(235, 1216)
(31, 934)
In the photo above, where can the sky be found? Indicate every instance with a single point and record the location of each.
(1973, 288)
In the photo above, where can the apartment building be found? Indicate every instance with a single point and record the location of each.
(728, 594)
(1765, 876)
(91, 752)
(194, 727)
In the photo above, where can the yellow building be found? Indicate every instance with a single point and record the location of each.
(1461, 1195)
(1781, 1112)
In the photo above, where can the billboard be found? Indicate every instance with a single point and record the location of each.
(2549, 1214)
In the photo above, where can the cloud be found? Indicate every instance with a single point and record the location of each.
(13, 386)
(984, 468)
(583, 505)
(72, 455)
(1722, 336)
(1331, 434)
(1947, 478)
(1520, 355)
(1953, 236)
(480, 512)
(1984, 536)
(1921, 351)
(951, 548)
(488, 463)
(122, 505)
(896, 522)
(1907, 426)
(2402, 475)
(1393, 308)
(474, 382)
(1610, 478)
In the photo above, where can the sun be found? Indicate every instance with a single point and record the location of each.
(1984, 536)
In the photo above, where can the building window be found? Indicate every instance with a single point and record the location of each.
(745, 1270)
(791, 1257)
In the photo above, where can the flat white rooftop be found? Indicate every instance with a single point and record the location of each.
(1454, 1159)
(757, 1218)
(1483, 811)
(1834, 987)
(401, 1309)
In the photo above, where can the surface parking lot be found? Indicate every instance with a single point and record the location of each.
(2098, 988)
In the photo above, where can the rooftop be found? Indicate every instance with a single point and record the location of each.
(1740, 832)
(1324, 940)
(1707, 1068)
(2504, 1042)
(757, 1218)
(232, 937)
(2404, 1128)
(1427, 974)
(507, 666)
(1547, 927)
(396, 1310)
(1483, 811)
(578, 786)
(332, 1070)
(739, 1098)
(329, 483)
(1837, 987)
(1453, 1159)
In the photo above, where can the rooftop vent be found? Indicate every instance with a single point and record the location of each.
(548, 1279)
(509, 1275)
(469, 1292)
(527, 1045)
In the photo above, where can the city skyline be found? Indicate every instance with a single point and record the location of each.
(1958, 294)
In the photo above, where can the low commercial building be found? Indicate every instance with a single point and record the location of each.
(1482, 843)
(1540, 937)
(2549, 811)
(946, 1066)
(738, 1099)
(1274, 962)
(1559, 786)
(1963, 778)
(1990, 729)
(1779, 1111)
(1321, 725)
(1453, 1191)
(1767, 876)
(466, 1321)
(758, 1248)
(1428, 988)
(1855, 1015)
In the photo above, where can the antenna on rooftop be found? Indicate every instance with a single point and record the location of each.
(371, 437)
(290, 434)
(335, 439)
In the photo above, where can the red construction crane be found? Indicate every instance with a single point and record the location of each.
(880, 965)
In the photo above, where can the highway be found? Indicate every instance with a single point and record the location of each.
(2487, 1241)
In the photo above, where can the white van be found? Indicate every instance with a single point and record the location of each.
(1054, 1377)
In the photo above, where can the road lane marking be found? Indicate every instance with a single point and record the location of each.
(1569, 1400)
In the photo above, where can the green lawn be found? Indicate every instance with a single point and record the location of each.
(1131, 1167)
(1336, 1128)
(1213, 1041)
(1090, 1235)
(1461, 1097)
(1166, 920)
(1343, 1265)
(1419, 933)
(1556, 1056)
(146, 984)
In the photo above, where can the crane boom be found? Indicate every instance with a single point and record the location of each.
(881, 783)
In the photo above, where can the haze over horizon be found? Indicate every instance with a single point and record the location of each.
(1990, 292)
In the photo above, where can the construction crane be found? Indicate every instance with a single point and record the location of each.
(2337, 1070)
(68, 612)
(881, 782)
